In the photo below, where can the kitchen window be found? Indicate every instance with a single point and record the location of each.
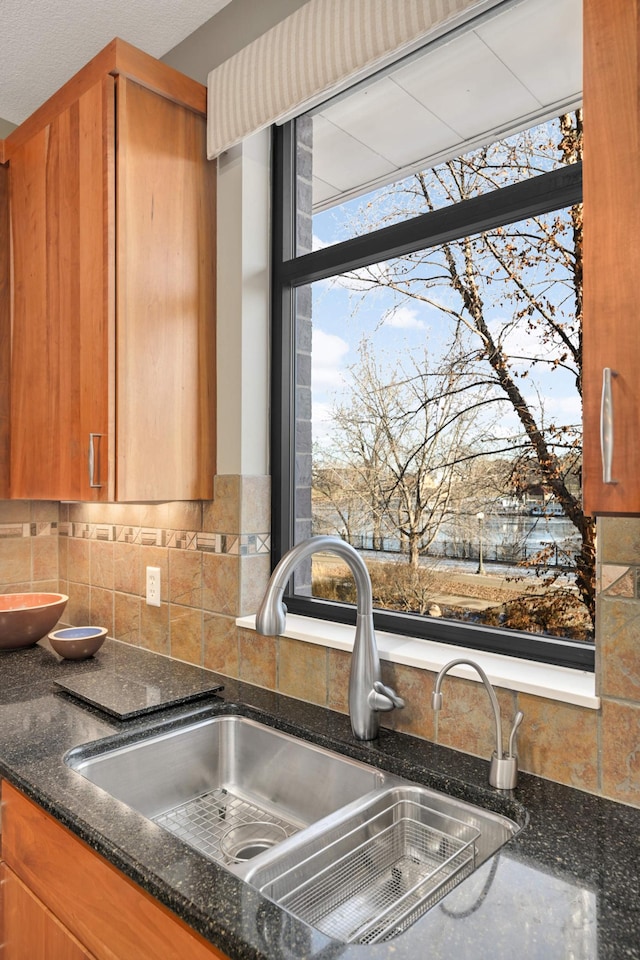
(426, 368)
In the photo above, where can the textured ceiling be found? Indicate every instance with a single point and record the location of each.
(44, 42)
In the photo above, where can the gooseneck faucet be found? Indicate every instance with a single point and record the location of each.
(367, 694)
(503, 770)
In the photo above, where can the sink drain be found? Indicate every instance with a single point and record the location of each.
(247, 840)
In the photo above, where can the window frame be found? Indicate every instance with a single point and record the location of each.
(541, 194)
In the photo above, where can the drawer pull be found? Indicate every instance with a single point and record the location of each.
(93, 459)
(606, 425)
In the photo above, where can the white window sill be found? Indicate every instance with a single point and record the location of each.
(526, 676)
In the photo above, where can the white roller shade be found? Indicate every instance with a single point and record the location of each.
(318, 50)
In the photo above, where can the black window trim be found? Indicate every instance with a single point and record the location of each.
(541, 194)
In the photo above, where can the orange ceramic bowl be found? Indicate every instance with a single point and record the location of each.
(27, 617)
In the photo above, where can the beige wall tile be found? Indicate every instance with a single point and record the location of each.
(618, 581)
(101, 559)
(185, 626)
(45, 511)
(220, 637)
(302, 670)
(255, 507)
(63, 555)
(102, 609)
(23, 587)
(338, 670)
(414, 686)
(47, 586)
(559, 741)
(254, 577)
(257, 659)
(126, 617)
(153, 515)
(222, 514)
(220, 583)
(94, 512)
(154, 628)
(78, 610)
(44, 558)
(127, 569)
(621, 751)
(184, 515)
(15, 511)
(466, 721)
(619, 540)
(618, 644)
(15, 560)
(185, 577)
(78, 560)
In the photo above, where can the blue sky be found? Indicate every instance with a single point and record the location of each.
(400, 327)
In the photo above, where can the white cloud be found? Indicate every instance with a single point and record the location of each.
(318, 244)
(403, 318)
(322, 419)
(327, 358)
(364, 279)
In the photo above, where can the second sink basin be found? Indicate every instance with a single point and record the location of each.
(381, 863)
(229, 786)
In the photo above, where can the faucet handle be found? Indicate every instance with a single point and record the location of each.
(384, 698)
(519, 717)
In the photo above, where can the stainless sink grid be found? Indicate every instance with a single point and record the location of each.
(204, 821)
(385, 874)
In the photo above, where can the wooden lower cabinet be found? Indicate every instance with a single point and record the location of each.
(31, 931)
(62, 898)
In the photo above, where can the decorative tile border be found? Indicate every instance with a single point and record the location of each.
(619, 581)
(242, 545)
(10, 531)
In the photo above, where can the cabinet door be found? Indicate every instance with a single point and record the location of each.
(5, 330)
(166, 233)
(611, 329)
(86, 892)
(61, 193)
(31, 932)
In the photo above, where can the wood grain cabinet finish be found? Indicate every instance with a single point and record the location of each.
(113, 245)
(102, 913)
(31, 931)
(5, 329)
(611, 328)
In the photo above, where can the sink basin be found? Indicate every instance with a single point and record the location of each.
(354, 851)
(378, 867)
(205, 780)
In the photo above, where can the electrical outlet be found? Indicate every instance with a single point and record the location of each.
(153, 586)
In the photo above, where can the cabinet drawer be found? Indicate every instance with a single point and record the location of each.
(111, 916)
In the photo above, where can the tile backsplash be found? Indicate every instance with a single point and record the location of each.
(214, 561)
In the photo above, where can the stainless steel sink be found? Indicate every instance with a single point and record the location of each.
(379, 866)
(352, 850)
(229, 786)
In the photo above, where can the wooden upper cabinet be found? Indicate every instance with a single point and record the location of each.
(165, 300)
(61, 182)
(113, 263)
(611, 328)
(5, 330)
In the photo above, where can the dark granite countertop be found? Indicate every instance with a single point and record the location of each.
(568, 886)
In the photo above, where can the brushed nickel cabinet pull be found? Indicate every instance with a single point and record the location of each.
(606, 425)
(93, 459)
